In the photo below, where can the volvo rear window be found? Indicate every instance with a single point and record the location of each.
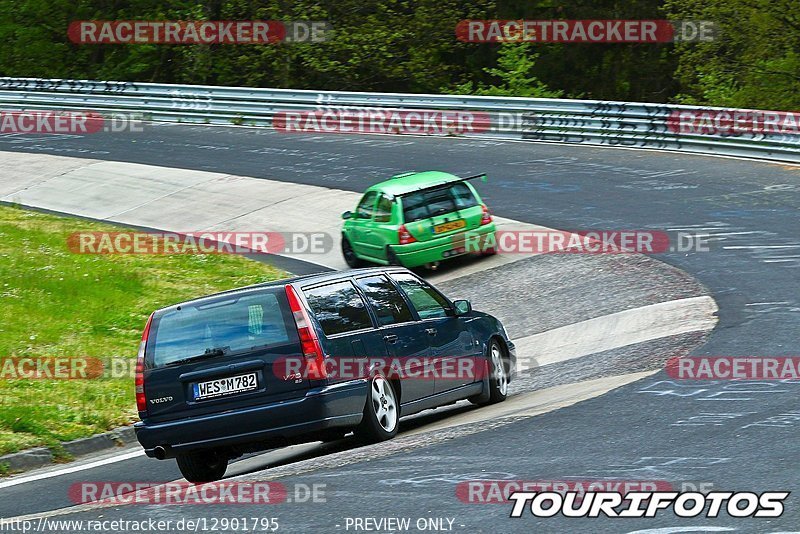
(426, 204)
(228, 325)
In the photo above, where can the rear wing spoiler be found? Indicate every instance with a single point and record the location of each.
(482, 176)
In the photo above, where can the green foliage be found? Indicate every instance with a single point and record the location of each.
(515, 64)
(753, 63)
(410, 46)
(57, 304)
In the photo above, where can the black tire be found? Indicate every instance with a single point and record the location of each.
(392, 258)
(498, 381)
(202, 466)
(376, 426)
(353, 261)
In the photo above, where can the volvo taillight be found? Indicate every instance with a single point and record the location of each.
(141, 399)
(404, 236)
(309, 342)
(487, 217)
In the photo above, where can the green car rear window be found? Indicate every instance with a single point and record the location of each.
(426, 204)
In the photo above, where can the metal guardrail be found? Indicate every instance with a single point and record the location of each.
(587, 122)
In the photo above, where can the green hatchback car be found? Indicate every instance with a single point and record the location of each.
(415, 219)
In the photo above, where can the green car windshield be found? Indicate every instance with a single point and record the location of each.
(431, 202)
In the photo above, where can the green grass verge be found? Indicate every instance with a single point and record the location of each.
(54, 303)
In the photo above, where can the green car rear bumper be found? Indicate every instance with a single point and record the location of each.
(445, 247)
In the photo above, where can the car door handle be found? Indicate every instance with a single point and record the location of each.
(390, 338)
(431, 331)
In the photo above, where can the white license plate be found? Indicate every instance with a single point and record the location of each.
(225, 386)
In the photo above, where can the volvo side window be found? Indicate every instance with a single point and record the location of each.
(338, 308)
(386, 300)
(426, 300)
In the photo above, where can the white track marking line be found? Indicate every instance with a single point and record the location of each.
(615, 330)
(671, 530)
(760, 247)
(72, 469)
(717, 234)
(696, 228)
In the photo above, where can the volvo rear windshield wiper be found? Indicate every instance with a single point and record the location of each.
(208, 353)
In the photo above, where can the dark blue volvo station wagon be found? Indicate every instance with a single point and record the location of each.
(309, 359)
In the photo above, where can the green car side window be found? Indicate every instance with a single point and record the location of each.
(366, 207)
(383, 213)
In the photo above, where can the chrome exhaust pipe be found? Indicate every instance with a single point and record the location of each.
(160, 452)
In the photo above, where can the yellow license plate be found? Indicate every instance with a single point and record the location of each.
(449, 226)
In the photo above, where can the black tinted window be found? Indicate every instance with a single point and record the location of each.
(232, 325)
(338, 308)
(414, 207)
(426, 300)
(425, 204)
(462, 196)
(386, 300)
(440, 201)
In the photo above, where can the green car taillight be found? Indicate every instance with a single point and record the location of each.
(404, 236)
(486, 218)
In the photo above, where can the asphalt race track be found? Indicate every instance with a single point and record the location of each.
(726, 435)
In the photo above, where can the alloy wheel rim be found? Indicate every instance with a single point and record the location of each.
(500, 370)
(384, 403)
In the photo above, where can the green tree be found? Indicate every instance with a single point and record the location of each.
(515, 65)
(754, 60)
